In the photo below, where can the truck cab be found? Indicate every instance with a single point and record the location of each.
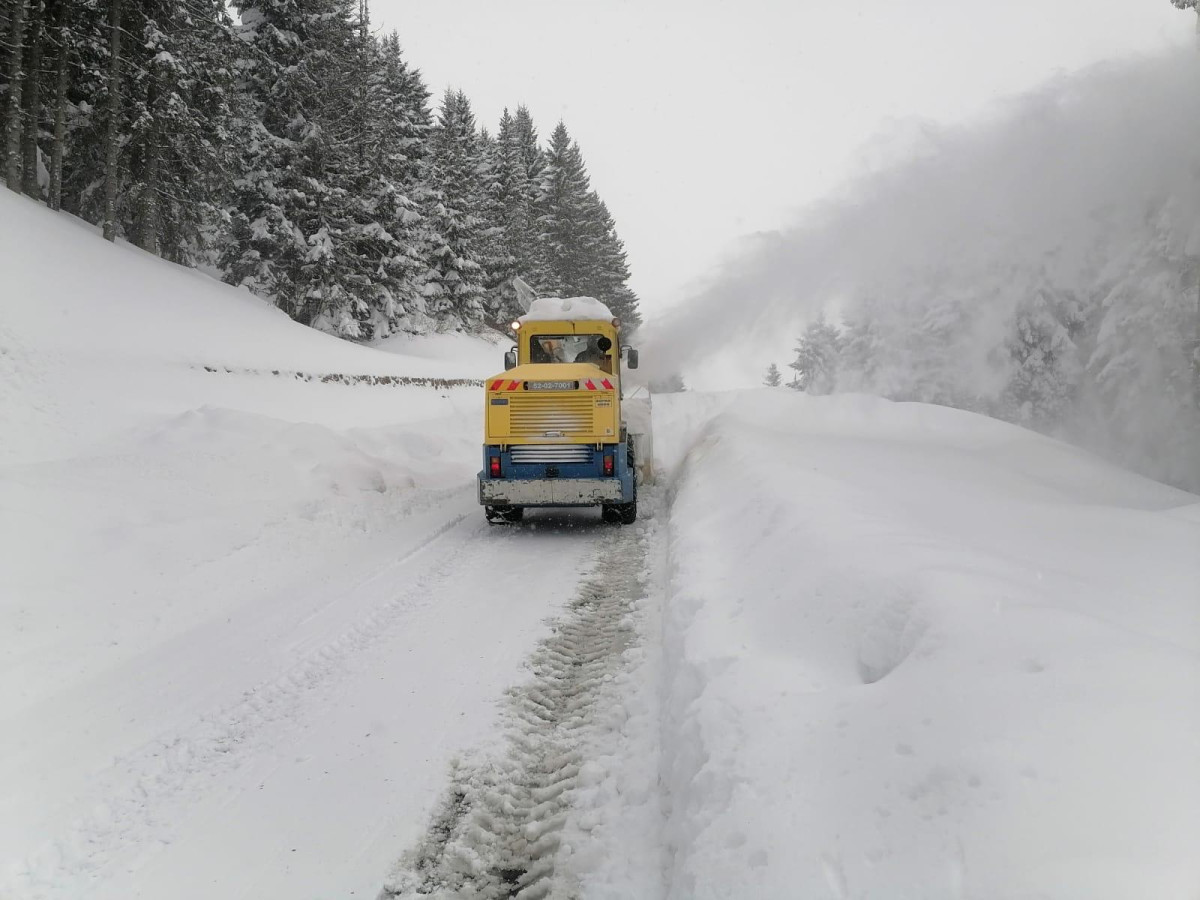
(553, 428)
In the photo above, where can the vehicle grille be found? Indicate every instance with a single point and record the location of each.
(534, 416)
(552, 453)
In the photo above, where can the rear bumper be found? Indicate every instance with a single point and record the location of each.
(549, 491)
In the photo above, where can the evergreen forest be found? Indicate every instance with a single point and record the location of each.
(287, 147)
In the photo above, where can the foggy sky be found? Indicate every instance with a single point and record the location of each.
(703, 122)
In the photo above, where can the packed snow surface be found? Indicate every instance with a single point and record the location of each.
(557, 309)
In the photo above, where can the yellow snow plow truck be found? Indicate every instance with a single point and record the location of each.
(554, 434)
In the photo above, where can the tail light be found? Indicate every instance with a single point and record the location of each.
(608, 465)
(494, 466)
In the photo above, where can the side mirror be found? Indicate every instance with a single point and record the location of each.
(510, 360)
(633, 358)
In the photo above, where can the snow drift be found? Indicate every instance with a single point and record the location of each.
(97, 338)
(912, 652)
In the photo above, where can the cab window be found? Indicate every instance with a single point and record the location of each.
(568, 348)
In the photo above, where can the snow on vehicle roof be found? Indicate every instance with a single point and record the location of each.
(555, 309)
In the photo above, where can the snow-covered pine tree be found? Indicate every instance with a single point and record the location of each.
(63, 42)
(37, 32)
(266, 247)
(80, 150)
(512, 196)
(862, 348)
(817, 358)
(112, 129)
(931, 330)
(454, 279)
(331, 160)
(291, 210)
(580, 251)
(30, 64)
(38, 40)
(14, 84)
(566, 228)
(1142, 363)
(386, 231)
(183, 137)
(28, 45)
(532, 159)
(773, 378)
(609, 271)
(1044, 359)
(86, 96)
(494, 253)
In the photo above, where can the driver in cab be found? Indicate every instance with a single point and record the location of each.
(596, 353)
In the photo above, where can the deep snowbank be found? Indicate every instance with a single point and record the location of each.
(96, 339)
(916, 653)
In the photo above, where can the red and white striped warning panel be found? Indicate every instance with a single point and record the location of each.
(505, 384)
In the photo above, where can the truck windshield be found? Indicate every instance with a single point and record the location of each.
(567, 348)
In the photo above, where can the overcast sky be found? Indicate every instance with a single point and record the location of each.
(702, 121)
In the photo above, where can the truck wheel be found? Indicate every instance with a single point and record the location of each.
(626, 513)
(619, 513)
(508, 515)
(623, 513)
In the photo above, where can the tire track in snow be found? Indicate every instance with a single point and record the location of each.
(149, 784)
(497, 832)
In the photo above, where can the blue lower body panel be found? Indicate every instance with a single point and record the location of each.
(564, 475)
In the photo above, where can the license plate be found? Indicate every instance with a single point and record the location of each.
(551, 385)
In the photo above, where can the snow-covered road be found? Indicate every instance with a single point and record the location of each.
(331, 703)
(499, 829)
